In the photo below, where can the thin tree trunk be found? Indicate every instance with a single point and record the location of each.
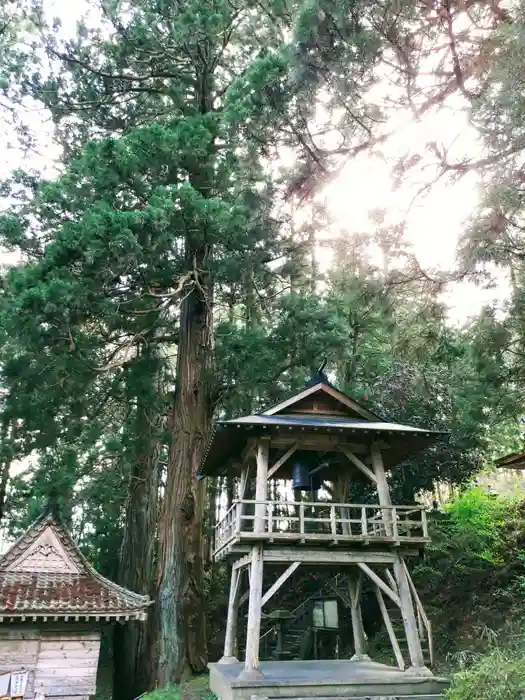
(4, 481)
(182, 642)
(135, 642)
(6, 459)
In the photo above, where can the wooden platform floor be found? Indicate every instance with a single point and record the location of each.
(324, 679)
(314, 539)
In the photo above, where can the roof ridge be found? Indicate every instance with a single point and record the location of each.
(65, 538)
(30, 534)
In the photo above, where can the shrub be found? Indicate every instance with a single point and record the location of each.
(500, 675)
(170, 693)
(478, 517)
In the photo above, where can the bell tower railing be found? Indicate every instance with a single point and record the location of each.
(321, 522)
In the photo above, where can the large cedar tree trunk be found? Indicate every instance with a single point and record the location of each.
(135, 642)
(182, 633)
(4, 480)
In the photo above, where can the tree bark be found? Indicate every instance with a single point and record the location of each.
(4, 481)
(135, 642)
(182, 609)
(182, 642)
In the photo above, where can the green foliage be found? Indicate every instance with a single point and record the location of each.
(470, 578)
(169, 693)
(478, 518)
(498, 675)
(194, 689)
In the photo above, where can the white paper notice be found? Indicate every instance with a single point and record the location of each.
(18, 683)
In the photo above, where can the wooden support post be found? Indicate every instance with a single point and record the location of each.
(422, 618)
(390, 629)
(358, 463)
(415, 651)
(245, 475)
(251, 663)
(380, 583)
(355, 584)
(231, 620)
(340, 495)
(244, 597)
(391, 581)
(282, 578)
(383, 490)
(286, 456)
(243, 487)
(261, 485)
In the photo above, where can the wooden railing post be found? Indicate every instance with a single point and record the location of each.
(394, 524)
(345, 527)
(333, 522)
(424, 522)
(238, 517)
(364, 524)
(301, 518)
(261, 486)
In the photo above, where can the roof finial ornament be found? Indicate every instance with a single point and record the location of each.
(52, 506)
(319, 376)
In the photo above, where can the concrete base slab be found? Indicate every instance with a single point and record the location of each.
(419, 671)
(330, 680)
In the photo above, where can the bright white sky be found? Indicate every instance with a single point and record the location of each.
(433, 222)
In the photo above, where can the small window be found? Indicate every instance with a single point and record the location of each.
(325, 614)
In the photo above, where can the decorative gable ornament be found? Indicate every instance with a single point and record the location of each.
(46, 554)
(44, 575)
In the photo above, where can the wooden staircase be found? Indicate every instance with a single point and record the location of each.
(383, 644)
(298, 633)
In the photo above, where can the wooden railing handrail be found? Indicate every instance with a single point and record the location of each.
(328, 504)
(297, 518)
(397, 523)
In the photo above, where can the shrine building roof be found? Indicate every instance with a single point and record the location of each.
(44, 576)
(515, 460)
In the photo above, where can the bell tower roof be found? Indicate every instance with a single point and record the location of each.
(317, 413)
(320, 397)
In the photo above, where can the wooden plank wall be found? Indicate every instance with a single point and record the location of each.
(62, 664)
(67, 665)
(19, 650)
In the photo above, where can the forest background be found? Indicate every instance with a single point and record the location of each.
(182, 247)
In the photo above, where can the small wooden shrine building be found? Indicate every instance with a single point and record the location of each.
(319, 437)
(514, 460)
(53, 606)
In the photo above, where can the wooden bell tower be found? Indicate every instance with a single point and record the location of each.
(319, 436)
